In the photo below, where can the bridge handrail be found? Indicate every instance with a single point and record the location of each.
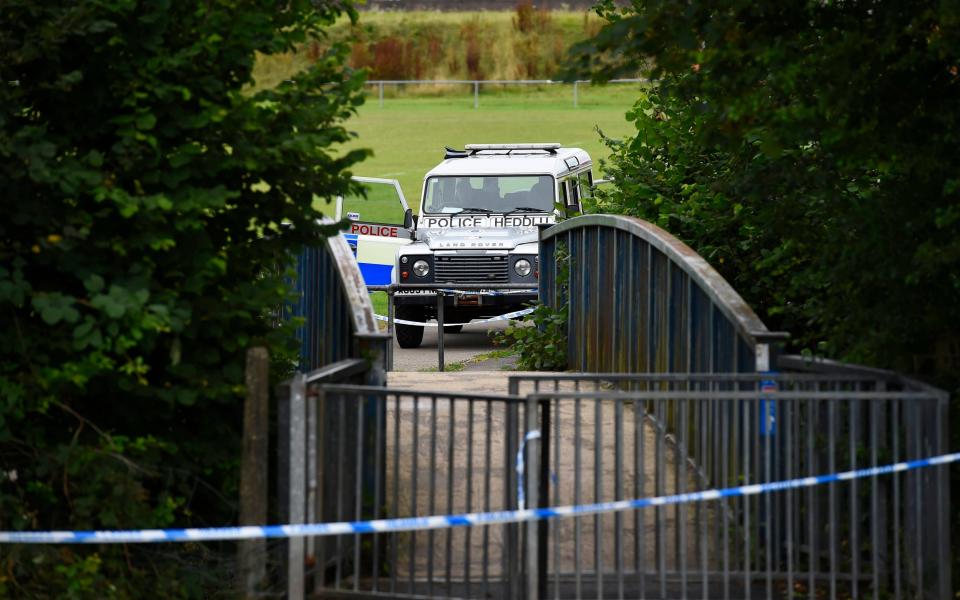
(747, 322)
(824, 366)
(353, 285)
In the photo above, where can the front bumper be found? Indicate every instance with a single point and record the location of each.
(487, 303)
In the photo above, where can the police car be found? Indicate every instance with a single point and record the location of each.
(477, 225)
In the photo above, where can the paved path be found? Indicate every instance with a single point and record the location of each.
(439, 438)
(457, 347)
(479, 382)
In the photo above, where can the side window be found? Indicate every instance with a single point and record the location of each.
(560, 206)
(585, 181)
(569, 200)
(574, 195)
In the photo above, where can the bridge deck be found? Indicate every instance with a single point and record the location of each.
(635, 536)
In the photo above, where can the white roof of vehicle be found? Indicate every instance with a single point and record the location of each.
(514, 159)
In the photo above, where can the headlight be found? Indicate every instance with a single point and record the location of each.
(421, 268)
(522, 267)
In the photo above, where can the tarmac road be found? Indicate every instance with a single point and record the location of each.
(457, 347)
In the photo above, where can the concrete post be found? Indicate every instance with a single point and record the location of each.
(253, 469)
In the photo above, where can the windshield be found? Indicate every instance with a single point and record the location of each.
(499, 194)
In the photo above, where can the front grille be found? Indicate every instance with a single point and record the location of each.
(472, 269)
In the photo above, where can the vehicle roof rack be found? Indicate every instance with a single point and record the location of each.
(454, 153)
(550, 148)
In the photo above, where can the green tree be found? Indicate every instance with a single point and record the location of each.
(141, 253)
(812, 151)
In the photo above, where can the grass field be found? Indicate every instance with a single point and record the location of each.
(408, 133)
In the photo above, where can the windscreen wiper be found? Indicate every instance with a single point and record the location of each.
(524, 209)
(474, 209)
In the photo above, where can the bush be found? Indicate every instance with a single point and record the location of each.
(811, 152)
(540, 339)
(143, 191)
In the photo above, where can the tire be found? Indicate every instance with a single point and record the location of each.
(453, 329)
(409, 336)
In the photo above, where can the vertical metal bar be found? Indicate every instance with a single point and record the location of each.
(532, 482)
(323, 476)
(379, 468)
(395, 507)
(681, 488)
(440, 296)
(747, 480)
(854, 499)
(915, 408)
(896, 410)
(812, 501)
(724, 503)
(575, 90)
(874, 500)
(469, 503)
(788, 410)
(544, 496)
(577, 499)
(381, 94)
(768, 517)
(511, 532)
(618, 493)
(311, 474)
(476, 95)
(556, 493)
(661, 468)
(295, 510)
(414, 492)
(391, 311)
(598, 495)
(341, 484)
(942, 424)
(639, 474)
(832, 491)
(432, 488)
(595, 302)
(736, 468)
(704, 456)
(488, 467)
(451, 473)
(358, 491)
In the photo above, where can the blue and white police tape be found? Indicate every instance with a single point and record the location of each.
(521, 488)
(506, 317)
(489, 292)
(446, 521)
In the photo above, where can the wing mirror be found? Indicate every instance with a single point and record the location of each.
(409, 220)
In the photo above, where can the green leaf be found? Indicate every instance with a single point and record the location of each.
(94, 283)
(55, 307)
(146, 121)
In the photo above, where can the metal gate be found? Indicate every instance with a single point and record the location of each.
(608, 437)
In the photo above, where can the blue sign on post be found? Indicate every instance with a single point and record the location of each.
(768, 408)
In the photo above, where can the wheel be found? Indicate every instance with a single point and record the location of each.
(453, 329)
(409, 336)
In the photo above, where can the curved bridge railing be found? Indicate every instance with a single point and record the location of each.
(642, 301)
(334, 303)
(340, 342)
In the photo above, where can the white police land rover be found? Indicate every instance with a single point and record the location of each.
(477, 225)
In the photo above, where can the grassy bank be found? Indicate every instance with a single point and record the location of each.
(523, 44)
